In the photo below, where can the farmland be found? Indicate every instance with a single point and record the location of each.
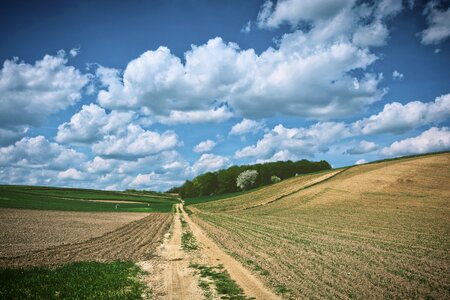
(49, 198)
(379, 230)
(75, 243)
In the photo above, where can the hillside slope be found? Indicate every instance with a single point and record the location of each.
(374, 231)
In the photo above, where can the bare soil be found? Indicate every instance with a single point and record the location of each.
(31, 238)
(213, 255)
(170, 276)
(23, 230)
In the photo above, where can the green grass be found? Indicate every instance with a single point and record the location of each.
(226, 287)
(82, 280)
(50, 198)
(188, 241)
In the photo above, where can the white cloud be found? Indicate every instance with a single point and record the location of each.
(246, 126)
(372, 35)
(432, 140)
(74, 52)
(247, 28)
(360, 161)
(396, 75)
(135, 142)
(438, 24)
(362, 147)
(100, 165)
(91, 124)
(308, 75)
(71, 173)
(294, 11)
(399, 118)
(284, 142)
(38, 152)
(29, 93)
(204, 146)
(208, 163)
(216, 115)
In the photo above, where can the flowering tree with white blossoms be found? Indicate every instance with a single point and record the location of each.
(246, 179)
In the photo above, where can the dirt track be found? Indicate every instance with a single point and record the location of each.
(243, 277)
(170, 275)
(136, 241)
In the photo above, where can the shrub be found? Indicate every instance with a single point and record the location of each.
(275, 179)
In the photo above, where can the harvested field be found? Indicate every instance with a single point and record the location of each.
(374, 231)
(267, 195)
(79, 237)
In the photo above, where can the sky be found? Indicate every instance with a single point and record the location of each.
(147, 94)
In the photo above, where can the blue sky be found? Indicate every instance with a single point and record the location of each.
(147, 94)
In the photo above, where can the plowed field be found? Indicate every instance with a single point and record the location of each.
(134, 240)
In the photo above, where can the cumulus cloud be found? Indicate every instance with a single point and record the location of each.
(74, 52)
(100, 165)
(283, 142)
(438, 24)
(372, 35)
(294, 11)
(247, 27)
(31, 92)
(246, 126)
(216, 115)
(396, 75)
(204, 146)
(432, 140)
(399, 118)
(91, 124)
(71, 173)
(360, 161)
(135, 142)
(307, 75)
(209, 162)
(38, 152)
(362, 147)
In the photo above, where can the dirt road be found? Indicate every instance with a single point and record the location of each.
(243, 277)
(170, 275)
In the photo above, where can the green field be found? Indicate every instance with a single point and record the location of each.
(81, 280)
(50, 198)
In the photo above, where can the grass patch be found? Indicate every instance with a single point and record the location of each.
(50, 198)
(226, 287)
(81, 280)
(188, 241)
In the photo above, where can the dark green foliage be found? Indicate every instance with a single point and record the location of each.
(81, 280)
(224, 181)
(50, 198)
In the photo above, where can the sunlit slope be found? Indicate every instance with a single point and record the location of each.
(267, 194)
(373, 231)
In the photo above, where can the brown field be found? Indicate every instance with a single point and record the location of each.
(31, 238)
(267, 195)
(374, 231)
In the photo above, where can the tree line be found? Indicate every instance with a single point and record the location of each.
(224, 181)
